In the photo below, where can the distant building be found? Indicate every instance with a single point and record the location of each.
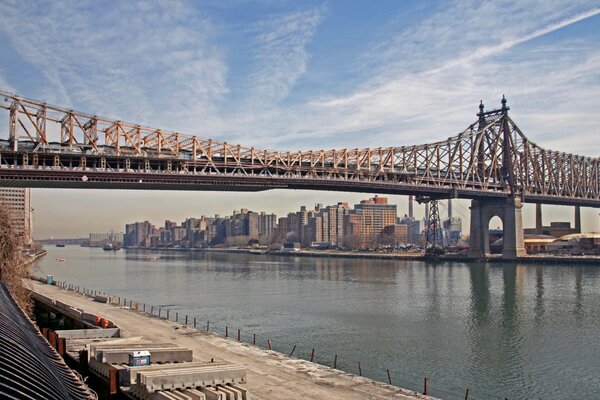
(395, 234)
(556, 229)
(18, 203)
(414, 229)
(100, 239)
(373, 214)
(453, 228)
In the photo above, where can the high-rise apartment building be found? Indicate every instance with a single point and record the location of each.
(18, 203)
(375, 214)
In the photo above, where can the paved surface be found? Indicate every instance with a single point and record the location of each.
(271, 375)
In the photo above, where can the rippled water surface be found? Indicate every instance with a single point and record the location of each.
(516, 331)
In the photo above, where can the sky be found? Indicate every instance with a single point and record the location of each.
(300, 75)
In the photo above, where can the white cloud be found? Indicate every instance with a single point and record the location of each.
(281, 55)
(144, 61)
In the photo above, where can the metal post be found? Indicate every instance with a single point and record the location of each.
(83, 361)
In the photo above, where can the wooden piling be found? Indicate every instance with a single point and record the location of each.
(425, 386)
(113, 380)
(207, 326)
(312, 355)
(389, 377)
(62, 346)
(226, 331)
(254, 339)
(359, 369)
(467, 394)
(292, 352)
(335, 362)
(239, 335)
(269, 343)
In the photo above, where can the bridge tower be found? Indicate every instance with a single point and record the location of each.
(509, 210)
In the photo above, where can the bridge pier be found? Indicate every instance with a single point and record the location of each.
(510, 212)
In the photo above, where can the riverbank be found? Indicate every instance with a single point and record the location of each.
(271, 375)
(533, 258)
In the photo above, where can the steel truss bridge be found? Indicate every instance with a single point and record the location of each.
(491, 158)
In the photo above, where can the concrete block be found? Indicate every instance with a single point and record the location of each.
(196, 394)
(129, 374)
(89, 333)
(230, 394)
(212, 394)
(157, 355)
(243, 392)
(208, 375)
(102, 299)
(94, 348)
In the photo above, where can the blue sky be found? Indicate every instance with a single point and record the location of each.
(295, 75)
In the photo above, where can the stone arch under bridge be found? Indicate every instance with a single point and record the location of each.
(510, 212)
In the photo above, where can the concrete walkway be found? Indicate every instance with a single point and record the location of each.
(271, 375)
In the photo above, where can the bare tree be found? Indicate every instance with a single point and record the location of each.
(13, 266)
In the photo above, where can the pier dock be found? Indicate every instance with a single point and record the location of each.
(270, 375)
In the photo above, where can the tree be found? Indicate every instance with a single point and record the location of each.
(13, 266)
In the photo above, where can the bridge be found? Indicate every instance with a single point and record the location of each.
(491, 163)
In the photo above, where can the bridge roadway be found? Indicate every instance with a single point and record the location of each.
(76, 179)
(271, 375)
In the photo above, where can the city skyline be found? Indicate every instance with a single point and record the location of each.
(590, 218)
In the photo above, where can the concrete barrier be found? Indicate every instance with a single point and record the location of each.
(157, 355)
(103, 299)
(128, 374)
(89, 333)
(96, 347)
(203, 376)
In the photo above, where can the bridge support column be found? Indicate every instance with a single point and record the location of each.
(578, 219)
(510, 212)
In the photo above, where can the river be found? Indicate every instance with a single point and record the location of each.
(501, 330)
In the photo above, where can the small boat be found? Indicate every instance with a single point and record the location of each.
(108, 247)
(60, 260)
(60, 245)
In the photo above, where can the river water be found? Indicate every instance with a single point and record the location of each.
(513, 330)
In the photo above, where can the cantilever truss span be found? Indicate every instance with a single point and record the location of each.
(51, 146)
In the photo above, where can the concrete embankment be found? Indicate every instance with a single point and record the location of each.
(270, 375)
